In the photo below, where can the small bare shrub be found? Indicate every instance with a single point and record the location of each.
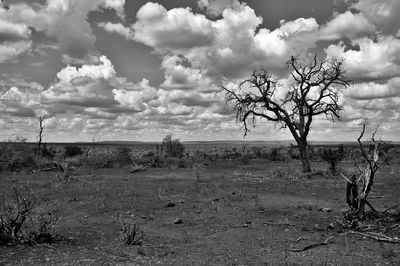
(131, 234)
(13, 215)
(21, 222)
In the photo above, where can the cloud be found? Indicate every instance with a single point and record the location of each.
(228, 47)
(92, 96)
(384, 14)
(217, 7)
(104, 70)
(65, 20)
(19, 103)
(14, 38)
(87, 86)
(177, 28)
(339, 27)
(117, 5)
(13, 31)
(117, 28)
(138, 99)
(374, 90)
(183, 77)
(371, 60)
(10, 50)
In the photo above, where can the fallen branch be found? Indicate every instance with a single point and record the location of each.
(47, 169)
(380, 197)
(377, 237)
(310, 246)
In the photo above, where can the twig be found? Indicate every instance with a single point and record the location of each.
(348, 180)
(310, 246)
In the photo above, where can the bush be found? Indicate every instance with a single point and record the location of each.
(131, 234)
(71, 151)
(172, 148)
(123, 155)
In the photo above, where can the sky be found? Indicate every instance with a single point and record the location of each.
(139, 70)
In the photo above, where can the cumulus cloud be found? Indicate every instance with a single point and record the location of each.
(92, 96)
(177, 28)
(339, 27)
(10, 50)
(117, 5)
(87, 86)
(65, 20)
(117, 28)
(382, 13)
(19, 103)
(228, 47)
(374, 90)
(14, 38)
(217, 7)
(378, 59)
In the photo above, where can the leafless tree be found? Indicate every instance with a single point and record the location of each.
(314, 91)
(357, 198)
(42, 118)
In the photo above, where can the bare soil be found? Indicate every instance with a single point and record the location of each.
(231, 214)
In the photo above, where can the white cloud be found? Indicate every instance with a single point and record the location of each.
(10, 50)
(13, 31)
(382, 13)
(117, 5)
(217, 7)
(19, 103)
(374, 90)
(14, 38)
(373, 60)
(104, 70)
(64, 19)
(136, 99)
(177, 28)
(347, 25)
(117, 28)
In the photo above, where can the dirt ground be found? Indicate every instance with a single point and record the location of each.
(231, 214)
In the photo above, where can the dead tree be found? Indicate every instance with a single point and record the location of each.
(356, 197)
(314, 91)
(40, 136)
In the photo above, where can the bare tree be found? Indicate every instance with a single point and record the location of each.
(42, 118)
(314, 91)
(357, 198)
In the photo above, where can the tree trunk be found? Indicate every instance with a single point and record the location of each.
(333, 167)
(305, 157)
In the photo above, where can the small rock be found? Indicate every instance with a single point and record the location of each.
(245, 225)
(141, 251)
(331, 226)
(170, 204)
(178, 221)
(325, 210)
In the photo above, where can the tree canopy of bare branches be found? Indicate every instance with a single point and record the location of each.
(314, 91)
